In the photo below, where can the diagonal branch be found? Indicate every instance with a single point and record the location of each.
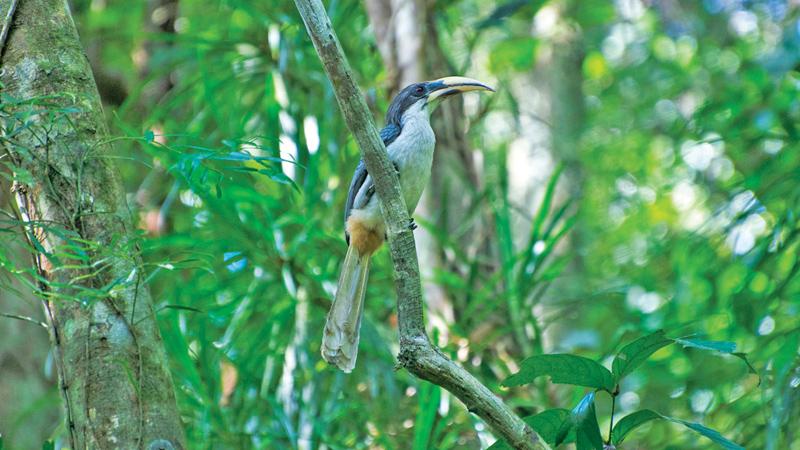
(417, 354)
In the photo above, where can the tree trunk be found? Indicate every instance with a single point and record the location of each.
(113, 370)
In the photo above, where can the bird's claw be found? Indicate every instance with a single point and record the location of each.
(411, 224)
(396, 168)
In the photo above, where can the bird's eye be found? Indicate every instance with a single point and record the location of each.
(419, 90)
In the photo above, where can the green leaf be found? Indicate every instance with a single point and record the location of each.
(551, 425)
(714, 435)
(726, 347)
(719, 346)
(631, 422)
(563, 369)
(634, 354)
(429, 398)
(48, 445)
(587, 431)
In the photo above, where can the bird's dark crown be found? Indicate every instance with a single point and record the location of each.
(408, 96)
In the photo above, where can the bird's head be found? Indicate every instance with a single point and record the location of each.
(421, 98)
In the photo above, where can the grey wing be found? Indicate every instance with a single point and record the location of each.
(361, 187)
(360, 178)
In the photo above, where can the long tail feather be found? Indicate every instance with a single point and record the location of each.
(340, 339)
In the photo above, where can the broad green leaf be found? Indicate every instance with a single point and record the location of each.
(547, 424)
(634, 354)
(563, 369)
(631, 422)
(584, 419)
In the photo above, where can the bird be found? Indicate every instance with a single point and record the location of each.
(410, 142)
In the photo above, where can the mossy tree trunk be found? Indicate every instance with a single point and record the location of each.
(113, 371)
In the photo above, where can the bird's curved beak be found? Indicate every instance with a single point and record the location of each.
(447, 86)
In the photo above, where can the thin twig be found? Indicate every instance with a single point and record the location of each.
(417, 354)
(7, 25)
(25, 318)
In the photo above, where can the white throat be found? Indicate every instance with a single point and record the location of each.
(417, 111)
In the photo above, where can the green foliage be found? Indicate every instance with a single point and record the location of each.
(637, 352)
(579, 371)
(631, 422)
(584, 420)
(568, 369)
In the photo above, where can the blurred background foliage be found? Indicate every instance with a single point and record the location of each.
(637, 170)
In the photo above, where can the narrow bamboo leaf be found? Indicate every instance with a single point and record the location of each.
(563, 369)
(719, 346)
(429, 398)
(631, 422)
(726, 347)
(584, 419)
(634, 354)
(714, 435)
(750, 367)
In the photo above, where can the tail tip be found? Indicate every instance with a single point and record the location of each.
(336, 357)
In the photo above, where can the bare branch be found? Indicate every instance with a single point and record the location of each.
(417, 354)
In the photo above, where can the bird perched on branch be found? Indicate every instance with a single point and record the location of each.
(409, 140)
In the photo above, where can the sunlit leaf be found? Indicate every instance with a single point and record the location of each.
(635, 353)
(584, 419)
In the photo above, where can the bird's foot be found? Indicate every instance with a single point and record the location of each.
(411, 224)
(396, 168)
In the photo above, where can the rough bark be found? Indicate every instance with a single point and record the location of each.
(417, 354)
(113, 371)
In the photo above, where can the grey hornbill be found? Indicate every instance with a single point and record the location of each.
(409, 140)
